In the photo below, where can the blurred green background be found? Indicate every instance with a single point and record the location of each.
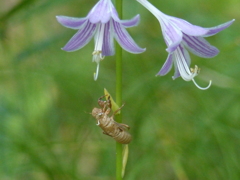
(46, 94)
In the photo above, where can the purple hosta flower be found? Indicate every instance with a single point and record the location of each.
(103, 23)
(180, 35)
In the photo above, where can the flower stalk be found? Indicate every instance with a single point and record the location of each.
(119, 95)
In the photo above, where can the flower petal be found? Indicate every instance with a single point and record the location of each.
(188, 28)
(130, 23)
(217, 29)
(81, 38)
(101, 12)
(108, 44)
(176, 72)
(71, 22)
(172, 36)
(166, 66)
(124, 39)
(199, 46)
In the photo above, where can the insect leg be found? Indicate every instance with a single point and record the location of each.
(109, 104)
(122, 126)
(118, 110)
(106, 133)
(100, 102)
(105, 104)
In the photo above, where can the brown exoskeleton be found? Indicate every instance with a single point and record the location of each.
(110, 127)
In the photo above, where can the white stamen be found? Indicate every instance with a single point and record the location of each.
(97, 53)
(99, 37)
(183, 68)
(95, 75)
(186, 73)
(199, 87)
(196, 70)
(97, 57)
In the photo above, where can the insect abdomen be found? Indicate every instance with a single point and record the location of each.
(123, 137)
(110, 128)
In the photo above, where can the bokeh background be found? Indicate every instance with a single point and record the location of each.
(46, 94)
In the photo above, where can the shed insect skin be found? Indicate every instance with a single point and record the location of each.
(110, 127)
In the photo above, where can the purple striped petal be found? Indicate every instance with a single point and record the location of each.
(130, 23)
(124, 39)
(71, 22)
(101, 12)
(172, 36)
(176, 73)
(108, 44)
(173, 46)
(81, 38)
(166, 66)
(199, 46)
(114, 13)
(188, 28)
(217, 29)
(176, 70)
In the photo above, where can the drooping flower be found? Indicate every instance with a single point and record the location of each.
(103, 23)
(181, 36)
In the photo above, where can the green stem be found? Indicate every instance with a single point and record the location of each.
(119, 96)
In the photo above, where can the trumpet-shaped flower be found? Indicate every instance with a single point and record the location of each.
(180, 35)
(103, 23)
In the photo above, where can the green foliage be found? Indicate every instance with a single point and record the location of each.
(46, 95)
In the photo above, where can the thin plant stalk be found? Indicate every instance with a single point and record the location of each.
(119, 96)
